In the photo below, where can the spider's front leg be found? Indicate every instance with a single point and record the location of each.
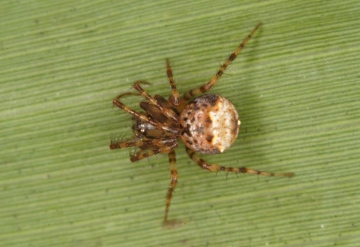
(214, 167)
(140, 116)
(137, 115)
(157, 101)
(213, 80)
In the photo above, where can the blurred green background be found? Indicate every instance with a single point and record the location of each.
(295, 85)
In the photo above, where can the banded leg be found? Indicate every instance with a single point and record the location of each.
(137, 115)
(214, 167)
(173, 182)
(142, 154)
(174, 179)
(148, 147)
(174, 99)
(167, 111)
(140, 116)
(144, 144)
(207, 86)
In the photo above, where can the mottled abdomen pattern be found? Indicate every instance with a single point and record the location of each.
(209, 124)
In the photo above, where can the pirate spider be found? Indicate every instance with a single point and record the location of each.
(207, 124)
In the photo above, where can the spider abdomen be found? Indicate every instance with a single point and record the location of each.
(210, 124)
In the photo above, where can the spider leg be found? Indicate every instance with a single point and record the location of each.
(137, 115)
(127, 94)
(174, 178)
(148, 147)
(168, 112)
(144, 143)
(207, 86)
(140, 116)
(214, 167)
(174, 99)
(142, 154)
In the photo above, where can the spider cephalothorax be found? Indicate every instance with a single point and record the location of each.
(206, 124)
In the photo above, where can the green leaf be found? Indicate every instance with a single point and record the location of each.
(295, 85)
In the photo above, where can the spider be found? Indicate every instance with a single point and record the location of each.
(205, 123)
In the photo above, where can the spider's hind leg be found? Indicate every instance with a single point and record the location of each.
(214, 167)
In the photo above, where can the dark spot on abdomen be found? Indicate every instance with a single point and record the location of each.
(209, 138)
